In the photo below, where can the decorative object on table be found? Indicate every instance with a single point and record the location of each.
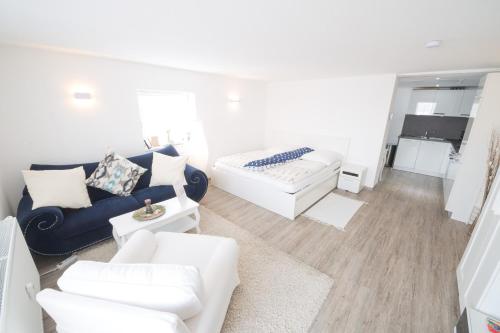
(149, 212)
(179, 190)
(155, 141)
(178, 217)
(491, 171)
(493, 325)
(148, 208)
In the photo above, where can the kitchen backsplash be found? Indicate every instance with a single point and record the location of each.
(435, 126)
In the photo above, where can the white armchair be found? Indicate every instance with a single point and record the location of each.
(215, 257)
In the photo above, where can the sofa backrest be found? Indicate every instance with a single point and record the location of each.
(144, 160)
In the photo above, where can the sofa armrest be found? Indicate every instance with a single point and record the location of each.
(198, 181)
(43, 219)
(79, 314)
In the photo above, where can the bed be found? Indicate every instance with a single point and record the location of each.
(287, 189)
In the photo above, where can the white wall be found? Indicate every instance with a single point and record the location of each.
(353, 107)
(4, 205)
(399, 109)
(469, 183)
(41, 124)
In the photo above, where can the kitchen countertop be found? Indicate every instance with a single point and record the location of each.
(454, 143)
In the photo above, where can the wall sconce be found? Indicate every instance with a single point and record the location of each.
(82, 97)
(233, 102)
(233, 99)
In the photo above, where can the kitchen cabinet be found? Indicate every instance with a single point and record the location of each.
(448, 102)
(421, 97)
(406, 153)
(468, 100)
(442, 102)
(431, 156)
(451, 171)
(422, 156)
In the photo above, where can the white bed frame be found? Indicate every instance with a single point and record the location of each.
(289, 205)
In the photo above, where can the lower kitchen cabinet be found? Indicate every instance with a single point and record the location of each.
(422, 156)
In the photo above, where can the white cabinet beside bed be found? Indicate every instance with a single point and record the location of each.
(267, 190)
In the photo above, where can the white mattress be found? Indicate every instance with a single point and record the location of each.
(290, 177)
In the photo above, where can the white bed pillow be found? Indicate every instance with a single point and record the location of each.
(172, 288)
(168, 170)
(61, 188)
(326, 157)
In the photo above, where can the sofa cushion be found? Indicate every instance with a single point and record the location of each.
(116, 175)
(95, 194)
(172, 288)
(168, 170)
(80, 314)
(186, 249)
(78, 221)
(146, 161)
(155, 193)
(61, 188)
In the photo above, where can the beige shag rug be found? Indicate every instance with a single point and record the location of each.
(277, 293)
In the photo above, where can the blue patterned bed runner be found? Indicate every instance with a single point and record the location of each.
(278, 159)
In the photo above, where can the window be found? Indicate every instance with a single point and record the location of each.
(425, 108)
(167, 117)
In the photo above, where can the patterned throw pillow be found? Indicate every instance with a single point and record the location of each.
(116, 175)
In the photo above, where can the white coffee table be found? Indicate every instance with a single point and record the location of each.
(180, 215)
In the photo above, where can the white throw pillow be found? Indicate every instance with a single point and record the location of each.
(173, 288)
(61, 188)
(168, 170)
(326, 157)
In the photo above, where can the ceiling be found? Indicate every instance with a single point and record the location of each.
(266, 39)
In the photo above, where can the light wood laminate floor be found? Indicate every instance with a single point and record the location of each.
(393, 267)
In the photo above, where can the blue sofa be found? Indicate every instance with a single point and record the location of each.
(56, 231)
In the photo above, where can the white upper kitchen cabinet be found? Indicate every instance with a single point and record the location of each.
(468, 99)
(442, 102)
(422, 101)
(448, 102)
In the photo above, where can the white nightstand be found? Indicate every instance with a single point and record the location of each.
(351, 177)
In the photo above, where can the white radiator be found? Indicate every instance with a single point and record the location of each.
(19, 282)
